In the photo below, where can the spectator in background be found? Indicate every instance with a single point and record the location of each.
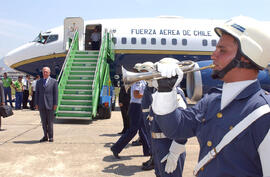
(124, 99)
(95, 39)
(18, 86)
(33, 89)
(26, 87)
(7, 82)
(2, 100)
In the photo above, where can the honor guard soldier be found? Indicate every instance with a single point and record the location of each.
(231, 124)
(136, 121)
(169, 155)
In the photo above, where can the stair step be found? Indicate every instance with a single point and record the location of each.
(65, 108)
(87, 63)
(76, 106)
(73, 114)
(80, 82)
(76, 102)
(79, 87)
(77, 97)
(86, 52)
(86, 60)
(80, 73)
(82, 67)
(74, 118)
(85, 78)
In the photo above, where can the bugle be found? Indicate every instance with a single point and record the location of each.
(131, 77)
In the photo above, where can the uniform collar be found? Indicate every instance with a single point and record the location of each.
(237, 90)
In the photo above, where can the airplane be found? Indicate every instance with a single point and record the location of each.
(135, 41)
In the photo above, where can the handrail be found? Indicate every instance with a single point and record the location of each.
(102, 70)
(67, 56)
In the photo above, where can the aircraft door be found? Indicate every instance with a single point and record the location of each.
(93, 36)
(71, 24)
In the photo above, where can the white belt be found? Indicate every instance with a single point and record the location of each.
(146, 110)
(158, 135)
(241, 126)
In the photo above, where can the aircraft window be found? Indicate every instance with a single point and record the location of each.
(40, 38)
(174, 41)
(184, 41)
(143, 40)
(133, 40)
(204, 42)
(52, 38)
(114, 40)
(214, 43)
(163, 41)
(124, 40)
(153, 41)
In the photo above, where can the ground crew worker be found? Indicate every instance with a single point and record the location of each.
(231, 124)
(136, 122)
(169, 155)
(18, 85)
(7, 82)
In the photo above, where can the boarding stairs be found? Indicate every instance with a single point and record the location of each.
(76, 99)
(82, 77)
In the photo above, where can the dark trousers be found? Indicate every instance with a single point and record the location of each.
(25, 98)
(125, 117)
(32, 103)
(95, 45)
(47, 117)
(18, 101)
(135, 114)
(7, 91)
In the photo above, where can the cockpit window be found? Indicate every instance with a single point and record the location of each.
(52, 38)
(45, 38)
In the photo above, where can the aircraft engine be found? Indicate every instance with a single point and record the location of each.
(198, 83)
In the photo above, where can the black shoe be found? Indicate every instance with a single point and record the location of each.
(43, 139)
(136, 143)
(148, 162)
(50, 139)
(149, 166)
(122, 132)
(115, 154)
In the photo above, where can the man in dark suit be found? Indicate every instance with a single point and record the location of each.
(46, 99)
(124, 99)
(2, 99)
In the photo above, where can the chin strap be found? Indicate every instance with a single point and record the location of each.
(235, 63)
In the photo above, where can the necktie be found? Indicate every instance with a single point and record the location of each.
(44, 82)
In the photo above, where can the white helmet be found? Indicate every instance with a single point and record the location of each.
(253, 37)
(148, 66)
(168, 60)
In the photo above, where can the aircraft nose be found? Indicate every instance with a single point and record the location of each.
(17, 54)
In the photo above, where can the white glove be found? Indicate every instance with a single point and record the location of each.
(169, 70)
(152, 83)
(173, 156)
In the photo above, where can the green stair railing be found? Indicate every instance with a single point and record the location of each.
(66, 68)
(102, 76)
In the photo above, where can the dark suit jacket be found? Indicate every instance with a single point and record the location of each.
(2, 98)
(46, 96)
(124, 97)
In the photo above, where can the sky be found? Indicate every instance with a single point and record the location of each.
(22, 20)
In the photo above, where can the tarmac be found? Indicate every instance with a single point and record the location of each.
(81, 148)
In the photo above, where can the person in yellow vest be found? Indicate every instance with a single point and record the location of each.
(18, 85)
(7, 82)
